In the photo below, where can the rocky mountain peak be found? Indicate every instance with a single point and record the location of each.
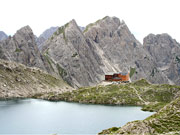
(3, 35)
(108, 27)
(164, 50)
(104, 22)
(73, 22)
(111, 20)
(72, 25)
(164, 38)
(69, 50)
(22, 48)
(150, 39)
(65, 33)
(25, 30)
(25, 34)
(164, 41)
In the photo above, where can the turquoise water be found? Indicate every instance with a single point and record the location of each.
(33, 116)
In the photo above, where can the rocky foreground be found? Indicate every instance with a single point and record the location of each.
(166, 121)
(19, 81)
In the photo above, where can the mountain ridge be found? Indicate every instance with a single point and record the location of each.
(3, 35)
(114, 48)
(105, 46)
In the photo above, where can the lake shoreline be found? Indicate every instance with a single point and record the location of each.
(62, 117)
(143, 107)
(140, 93)
(84, 103)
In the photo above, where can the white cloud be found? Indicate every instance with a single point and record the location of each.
(141, 16)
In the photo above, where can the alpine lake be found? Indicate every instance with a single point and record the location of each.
(34, 116)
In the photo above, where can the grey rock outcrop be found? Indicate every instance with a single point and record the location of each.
(45, 35)
(3, 35)
(22, 48)
(69, 49)
(165, 51)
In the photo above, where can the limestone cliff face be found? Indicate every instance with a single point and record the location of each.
(117, 47)
(22, 48)
(3, 35)
(69, 49)
(165, 51)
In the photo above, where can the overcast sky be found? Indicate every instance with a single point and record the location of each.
(141, 16)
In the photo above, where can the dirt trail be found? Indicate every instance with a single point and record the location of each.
(139, 96)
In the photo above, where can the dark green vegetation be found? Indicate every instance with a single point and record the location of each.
(151, 97)
(113, 129)
(61, 71)
(152, 107)
(132, 71)
(165, 121)
(75, 54)
(177, 59)
(46, 56)
(18, 50)
(154, 71)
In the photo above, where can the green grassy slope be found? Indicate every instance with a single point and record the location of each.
(151, 97)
